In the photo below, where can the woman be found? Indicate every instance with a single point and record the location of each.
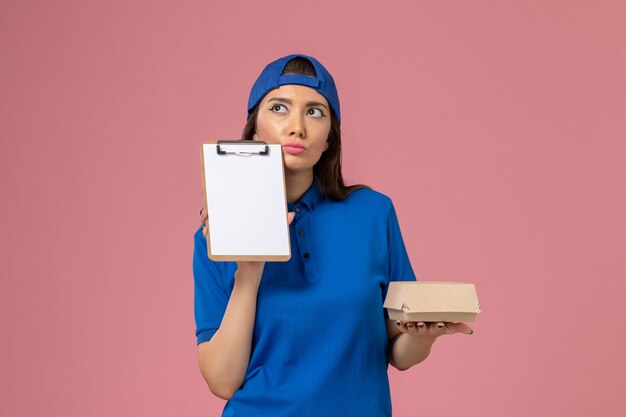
(309, 337)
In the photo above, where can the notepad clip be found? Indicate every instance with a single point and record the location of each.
(253, 147)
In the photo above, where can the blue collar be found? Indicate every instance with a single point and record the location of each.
(311, 198)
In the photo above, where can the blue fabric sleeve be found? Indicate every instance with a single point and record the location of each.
(211, 291)
(400, 268)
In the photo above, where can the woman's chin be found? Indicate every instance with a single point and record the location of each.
(294, 167)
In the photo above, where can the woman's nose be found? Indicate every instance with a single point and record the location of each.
(296, 126)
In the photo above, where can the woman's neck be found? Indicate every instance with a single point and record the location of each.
(297, 184)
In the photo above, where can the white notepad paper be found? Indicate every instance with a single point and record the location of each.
(246, 202)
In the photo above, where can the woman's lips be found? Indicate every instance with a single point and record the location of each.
(293, 148)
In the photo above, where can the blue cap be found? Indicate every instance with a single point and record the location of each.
(272, 78)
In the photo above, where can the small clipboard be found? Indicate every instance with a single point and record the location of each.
(246, 201)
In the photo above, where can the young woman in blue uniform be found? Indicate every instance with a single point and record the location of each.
(309, 337)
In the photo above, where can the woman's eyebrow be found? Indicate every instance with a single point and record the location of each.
(316, 103)
(290, 102)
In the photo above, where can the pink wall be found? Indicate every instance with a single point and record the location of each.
(498, 128)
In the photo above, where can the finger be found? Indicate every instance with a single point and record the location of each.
(203, 215)
(422, 329)
(401, 326)
(441, 328)
(412, 328)
(458, 328)
(203, 221)
(290, 217)
(437, 328)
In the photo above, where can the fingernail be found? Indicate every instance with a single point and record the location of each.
(440, 326)
(471, 332)
(420, 324)
(397, 323)
(410, 324)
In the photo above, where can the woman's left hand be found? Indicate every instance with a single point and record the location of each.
(431, 330)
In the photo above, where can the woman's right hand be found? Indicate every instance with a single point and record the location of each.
(244, 268)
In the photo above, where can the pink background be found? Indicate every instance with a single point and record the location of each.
(497, 127)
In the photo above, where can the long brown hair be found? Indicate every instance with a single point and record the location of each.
(328, 168)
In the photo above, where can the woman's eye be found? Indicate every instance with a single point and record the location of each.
(278, 108)
(315, 113)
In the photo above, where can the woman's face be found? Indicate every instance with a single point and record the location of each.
(295, 115)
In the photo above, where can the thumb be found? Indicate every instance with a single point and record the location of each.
(290, 217)
(459, 328)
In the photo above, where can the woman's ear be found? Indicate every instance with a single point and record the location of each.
(255, 136)
(326, 145)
